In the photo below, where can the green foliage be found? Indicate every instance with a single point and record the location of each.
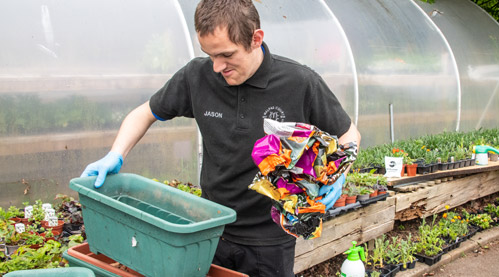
(429, 148)
(28, 114)
(365, 180)
(481, 220)
(490, 6)
(429, 241)
(188, 187)
(379, 251)
(47, 256)
(492, 210)
(407, 250)
(452, 225)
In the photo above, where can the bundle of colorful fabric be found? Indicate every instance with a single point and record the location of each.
(295, 161)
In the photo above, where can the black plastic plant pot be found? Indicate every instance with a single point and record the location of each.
(434, 167)
(424, 169)
(412, 264)
(463, 163)
(365, 170)
(429, 260)
(380, 170)
(443, 166)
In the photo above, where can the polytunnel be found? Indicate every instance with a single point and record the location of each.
(70, 71)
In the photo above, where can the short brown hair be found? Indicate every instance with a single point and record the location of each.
(239, 16)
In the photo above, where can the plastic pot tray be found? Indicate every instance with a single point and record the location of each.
(379, 197)
(334, 212)
(150, 227)
(103, 266)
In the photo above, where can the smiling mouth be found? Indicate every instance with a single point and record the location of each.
(226, 72)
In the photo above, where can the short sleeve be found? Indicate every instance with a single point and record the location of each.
(173, 99)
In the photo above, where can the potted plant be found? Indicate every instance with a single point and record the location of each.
(410, 166)
(38, 214)
(33, 240)
(13, 239)
(70, 212)
(407, 249)
(452, 227)
(352, 193)
(364, 193)
(379, 251)
(341, 202)
(429, 243)
(393, 254)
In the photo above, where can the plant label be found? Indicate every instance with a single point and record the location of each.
(393, 166)
(46, 206)
(53, 222)
(20, 228)
(49, 213)
(28, 211)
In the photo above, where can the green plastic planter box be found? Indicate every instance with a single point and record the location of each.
(150, 227)
(53, 272)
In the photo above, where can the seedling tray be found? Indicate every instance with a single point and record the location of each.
(152, 228)
(334, 212)
(380, 197)
(429, 260)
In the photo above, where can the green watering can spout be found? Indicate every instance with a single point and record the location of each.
(484, 149)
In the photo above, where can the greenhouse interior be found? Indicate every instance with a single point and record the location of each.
(70, 71)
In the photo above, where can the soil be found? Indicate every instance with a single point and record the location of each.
(332, 266)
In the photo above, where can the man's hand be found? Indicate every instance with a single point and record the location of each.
(332, 192)
(110, 164)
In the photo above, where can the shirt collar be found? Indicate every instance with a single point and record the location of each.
(262, 75)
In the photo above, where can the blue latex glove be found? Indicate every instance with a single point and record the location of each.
(110, 164)
(332, 192)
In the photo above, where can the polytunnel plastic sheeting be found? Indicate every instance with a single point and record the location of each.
(401, 59)
(305, 31)
(474, 38)
(90, 37)
(69, 73)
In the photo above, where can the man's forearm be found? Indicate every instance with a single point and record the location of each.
(133, 128)
(352, 135)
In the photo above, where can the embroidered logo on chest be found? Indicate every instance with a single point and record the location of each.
(274, 113)
(213, 114)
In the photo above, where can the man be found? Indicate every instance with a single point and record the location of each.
(229, 94)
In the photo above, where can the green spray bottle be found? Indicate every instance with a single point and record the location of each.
(353, 266)
(481, 153)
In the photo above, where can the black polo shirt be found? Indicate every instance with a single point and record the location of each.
(230, 119)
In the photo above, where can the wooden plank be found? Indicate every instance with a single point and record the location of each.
(376, 231)
(489, 185)
(433, 199)
(492, 166)
(404, 200)
(325, 251)
(337, 234)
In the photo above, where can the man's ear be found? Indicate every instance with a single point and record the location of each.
(257, 38)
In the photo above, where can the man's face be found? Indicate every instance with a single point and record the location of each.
(233, 61)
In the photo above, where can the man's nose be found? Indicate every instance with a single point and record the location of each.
(219, 65)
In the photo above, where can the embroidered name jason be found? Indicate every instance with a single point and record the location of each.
(213, 114)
